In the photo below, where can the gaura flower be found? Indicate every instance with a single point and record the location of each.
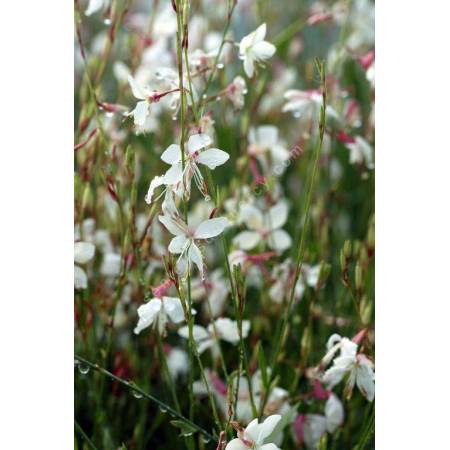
(254, 49)
(184, 242)
(157, 311)
(236, 91)
(357, 366)
(94, 6)
(255, 434)
(224, 328)
(265, 227)
(197, 153)
(83, 253)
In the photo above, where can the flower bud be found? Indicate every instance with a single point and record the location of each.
(365, 310)
(358, 276)
(347, 249)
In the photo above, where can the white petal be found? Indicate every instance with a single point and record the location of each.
(137, 90)
(172, 154)
(252, 217)
(334, 413)
(236, 444)
(198, 141)
(260, 33)
(263, 50)
(246, 240)
(196, 257)
(277, 215)
(269, 447)
(333, 376)
(80, 278)
(177, 244)
(140, 113)
(182, 266)
(93, 7)
(211, 228)
(84, 252)
(365, 381)
(155, 183)
(266, 136)
(199, 333)
(177, 228)
(147, 314)
(248, 64)
(213, 158)
(227, 330)
(174, 309)
(268, 426)
(174, 174)
(279, 240)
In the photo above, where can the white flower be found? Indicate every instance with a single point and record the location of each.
(334, 413)
(177, 362)
(94, 6)
(235, 92)
(142, 108)
(303, 103)
(265, 139)
(158, 311)
(196, 154)
(226, 329)
(253, 48)
(264, 227)
(184, 242)
(83, 253)
(110, 265)
(255, 434)
(357, 366)
(361, 152)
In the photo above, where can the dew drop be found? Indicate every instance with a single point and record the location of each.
(187, 434)
(83, 369)
(137, 394)
(174, 118)
(109, 114)
(204, 96)
(162, 409)
(206, 439)
(220, 66)
(107, 21)
(218, 98)
(76, 362)
(245, 91)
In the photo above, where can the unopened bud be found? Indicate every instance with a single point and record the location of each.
(365, 310)
(306, 343)
(347, 249)
(358, 276)
(129, 159)
(343, 260)
(86, 196)
(371, 235)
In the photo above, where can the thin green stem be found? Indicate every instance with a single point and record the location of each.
(84, 436)
(133, 387)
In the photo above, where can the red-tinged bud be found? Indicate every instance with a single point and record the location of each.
(111, 189)
(85, 142)
(367, 60)
(345, 138)
(357, 339)
(161, 290)
(319, 392)
(319, 18)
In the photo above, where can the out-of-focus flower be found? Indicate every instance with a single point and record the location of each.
(157, 311)
(357, 366)
(236, 91)
(110, 265)
(95, 6)
(83, 253)
(254, 49)
(265, 227)
(177, 362)
(255, 434)
(265, 139)
(361, 152)
(222, 328)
